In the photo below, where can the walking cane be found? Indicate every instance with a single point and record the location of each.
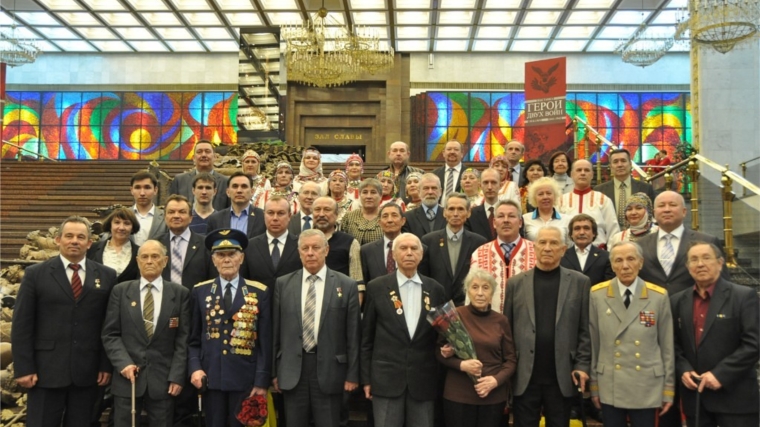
(580, 394)
(204, 385)
(133, 402)
(697, 380)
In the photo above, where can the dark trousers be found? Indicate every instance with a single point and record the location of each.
(306, 400)
(185, 406)
(221, 407)
(712, 419)
(672, 418)
(47, 407)
(160, 412)
(538, 398)
(616, 417)
(461, 414)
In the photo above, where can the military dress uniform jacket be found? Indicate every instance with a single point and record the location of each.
(632, 350)
(233, 347)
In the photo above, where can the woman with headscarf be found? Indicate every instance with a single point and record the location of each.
(638, 220)
(559, 168)
(310, 170)
(354, 170)
(389, 190)
(364, 223)
(251, 166)
(531, 171)
(413, 190)
(471, 186)
(283, 186)
(508, 189)
(336, 188)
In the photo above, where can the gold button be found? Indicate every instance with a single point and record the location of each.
(637, 342)
(638, 368)
(226, 322)
(224, 351)
(225, 341)
(617, 354)
(638, 355)
(617, 367)
(225, 332)
(617, 342)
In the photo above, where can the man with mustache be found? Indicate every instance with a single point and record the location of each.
(203, 159)
(377, 257)
(429, 216)
(450, 174)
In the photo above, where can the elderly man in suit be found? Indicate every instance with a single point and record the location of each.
(145, 337)
(316, 336)
(481, 220)
(548, 310)
(450, 174)
(632, 350)
(274, 253)
(716, 341)
(428, 216)
(622, 185)
(398, 366)
(241, 215)
(144, 186)
(584, 257)
(230, 340)
(448, 251)
(57, 319)
(203, 159)
(303, 219)
(377, 257)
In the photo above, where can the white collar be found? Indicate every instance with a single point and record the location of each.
(677, 233)
(158, 283)
(66, 262)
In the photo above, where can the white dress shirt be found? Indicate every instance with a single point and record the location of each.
(70, 272)
(280, 241)
(622, 288)
(319, 286)
(457, 171)
(410, 290)
(582, 255)
(675, 240)
(146, 222)
(157, 292)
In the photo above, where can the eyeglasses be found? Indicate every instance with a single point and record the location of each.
(704, 259)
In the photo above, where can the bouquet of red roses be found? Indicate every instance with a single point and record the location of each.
(447, 322)
(253, 411)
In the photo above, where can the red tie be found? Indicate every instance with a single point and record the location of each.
(76, 281)
(390, 263)
(490, 221)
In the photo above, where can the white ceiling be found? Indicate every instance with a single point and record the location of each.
(407, 25)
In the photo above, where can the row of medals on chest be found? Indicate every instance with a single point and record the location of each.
(243, 334)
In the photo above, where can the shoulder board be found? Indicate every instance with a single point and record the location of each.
(658, 289)
(255, 284)
(602, 285)
(204, 283)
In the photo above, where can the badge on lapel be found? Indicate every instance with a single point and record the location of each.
(426, 300)
(397, 304)
(646, 318)
(173, 322)
(134, 303)
(97, 283)
(340, 292)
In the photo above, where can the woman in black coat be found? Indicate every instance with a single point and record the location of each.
(118, 251)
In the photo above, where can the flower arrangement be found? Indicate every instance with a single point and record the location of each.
(253, 411)
(447, 322)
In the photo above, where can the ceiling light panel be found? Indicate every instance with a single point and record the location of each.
(413, 18)
(61, 5)
(152, 46)
(185, 46)
(528, 46)
(148, 5)
(494, 32)
(457, 4)
(534, 32)
(234, 4)
(79, 18)
(583, 17)
(616, 32)
(191, 4)
(489, 45)
(121, 19)
(37, 18)
(602, 46)
(547, 4)
(57, 33)
(576, 32)
(568, 45)
(75, 46)
(498, 18)
(370, 18)
(174, 33)
(105, 5)
(112, 46)
(22, 33)
(594, 4)
(412, 45)
(282, 18)
(454, 32)
(367, 4)
(381, 32)
(223, 46)
(451, 45)
(244, 19)
(503, 4)
(677, 4)
(666, 17)
(279, 4)
(135, 33)
(213, 33)
(412, 4)
(541, 18)
(203, 18)
(412, 32)
(458, 17)
(627, 17)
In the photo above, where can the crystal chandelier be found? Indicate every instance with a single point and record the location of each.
(721, 24)
(255, 119)
(643, 50)
(15, 51)
(322, 52)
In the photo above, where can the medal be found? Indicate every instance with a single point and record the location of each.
(221, 312)
(97, 283)
(134, 304)
(399, 311)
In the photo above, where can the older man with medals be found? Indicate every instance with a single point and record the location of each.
(230, 336)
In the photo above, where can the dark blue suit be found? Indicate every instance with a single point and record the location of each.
(231, 374)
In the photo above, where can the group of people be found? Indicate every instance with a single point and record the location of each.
(314, 287)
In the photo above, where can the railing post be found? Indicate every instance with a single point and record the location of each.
(575, 138)
(744, 175)
(598, 160)
(693, 169)
(668, 181)
(728, 232)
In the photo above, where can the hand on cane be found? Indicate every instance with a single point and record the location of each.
(130, 372)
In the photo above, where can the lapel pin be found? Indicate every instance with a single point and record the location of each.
(441, 243)
(595, 254)
(340, 292)
(134, 304)
(721, 316)
(609, 312)
(193, 247)
(97, 283)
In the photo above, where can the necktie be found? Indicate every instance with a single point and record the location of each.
(309, 311)
(450, 182)
(275, 253)
(228, 297)
(176, 267)
(390, 263)
(512, 175)
(454, 238)
(507, 248)
(490, 222)
(148, 310)
(621, 205)
(430, 215)
(76, 281)
(668, 254)
(627, 300)
(306, 223)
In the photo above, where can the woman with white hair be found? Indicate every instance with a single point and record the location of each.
(545, 194)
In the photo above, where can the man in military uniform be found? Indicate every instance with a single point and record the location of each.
(230, 337)
(632, 347)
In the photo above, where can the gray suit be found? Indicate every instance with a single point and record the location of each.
(161, 359)
(183, 184)
(158, 226)
(572, 335)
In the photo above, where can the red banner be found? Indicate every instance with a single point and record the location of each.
(545, 93)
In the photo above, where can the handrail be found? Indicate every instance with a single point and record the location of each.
(29, 151)
(733, 175)
(743, 165)
(667, 170)
(598, 136)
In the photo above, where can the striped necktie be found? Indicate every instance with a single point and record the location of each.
(668, 254)
(76, 281)
(177, 263)
(148, 310)
(621, 205)
(309, 315)
(449, 182)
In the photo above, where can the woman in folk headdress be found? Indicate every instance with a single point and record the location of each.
(283, 186)
(509, 189)
(337, 186)
(252, 166)
(413, 190)
(310, 170)
(354, 170)
(389, 189)
(638, 220)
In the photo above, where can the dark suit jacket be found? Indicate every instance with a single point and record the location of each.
(441, 174)
(258, 262)
(478, 223)
(163, 358)
(598, 268)
(337, 337)
(373, 260)
(679, 278)
(221, 219)
(391, 360)
(196, 265)
(95, 253)
(294, 226)
(572, 333)
(57, 337)
(418, 224)
(608, 189)
(183, 184)
(436, 263)
(728, 347)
